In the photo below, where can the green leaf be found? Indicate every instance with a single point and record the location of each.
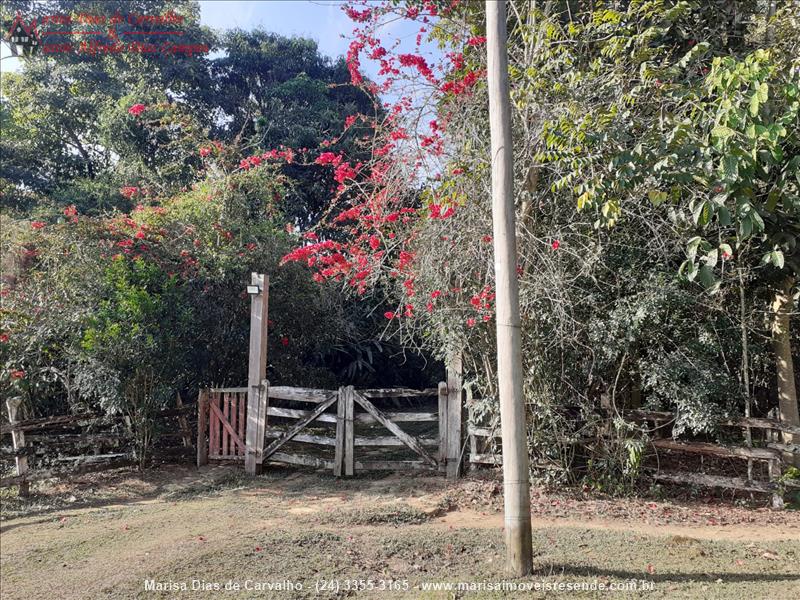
(763, 92)
(705, 276)
(745, 227)
(754, 105)
(711, 259)
(722, 133)
(730, 167)
(657, 197)
(776, 256)
(701, 213)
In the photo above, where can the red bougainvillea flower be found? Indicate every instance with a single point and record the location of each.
(285, 341)
(3, 338)
(139, 235)
(726, 255)
(71, 211)
(37, 224)
(476, 41)
(129, 191)
(205, 151)
(555, 245)
(389, 315)
(17, 374)
(487, 238)
(470, 322)
(137, 109)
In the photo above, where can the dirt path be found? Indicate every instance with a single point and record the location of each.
(216, 527)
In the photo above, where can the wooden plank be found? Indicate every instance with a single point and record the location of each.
(756, 423)
(473, 440)
(225, 419)
(338, 458)
(409, 440)
(716, 450)
(33, 424)
(390, 440)
(293, 431)
(18, 439)
(202, 420)
(455, 385)
(483, 431)
(89, 418)
(349, 430)
(226, 390)
(275, 433)
(258, 397)
(227, 429)
(87, 459)
(213, 424)
(62, 439)
(791, 448)
(737, 483)
(442, 395)
(242, 419)
(281, 392)
(398, 393)
(393, 465)
(306, 461)
(234, 417)
(366, 418)
(486, 459)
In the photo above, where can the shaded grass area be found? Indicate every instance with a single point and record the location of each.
(417, 555)
(109, 554)
(306, 527)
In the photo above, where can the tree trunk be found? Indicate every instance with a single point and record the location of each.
(784, 365)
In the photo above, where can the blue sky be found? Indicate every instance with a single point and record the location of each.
(320, 20)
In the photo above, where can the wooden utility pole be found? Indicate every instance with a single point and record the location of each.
(257, 373)
(516, 478)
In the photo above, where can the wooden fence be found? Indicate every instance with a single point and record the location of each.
(769, 451)
(344, 430)
(67, 444)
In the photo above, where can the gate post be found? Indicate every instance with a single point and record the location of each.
(202, 428)
(350, 435)
(442, 458)
(338, 457)
(257, 372)
(454, 417)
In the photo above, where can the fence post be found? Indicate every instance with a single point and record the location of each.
(774, 471)
(338, 458)
(18, 439)
(186, 433)
(473, 439)
(454, 418)
(349, 442)
(442, 427)
(257, 372)
(202, 427)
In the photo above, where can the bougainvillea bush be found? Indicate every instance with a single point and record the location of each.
(648, 243)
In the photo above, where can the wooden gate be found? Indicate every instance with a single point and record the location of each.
(346, 426)
(226, 413)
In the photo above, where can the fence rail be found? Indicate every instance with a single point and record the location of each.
(109, 449)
